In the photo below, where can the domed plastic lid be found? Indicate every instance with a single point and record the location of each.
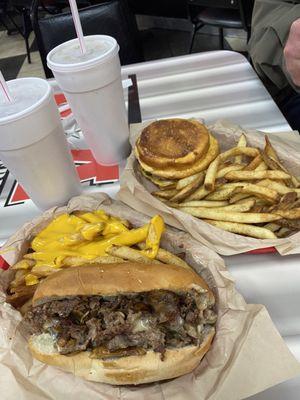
(28, 94)
(67, 57)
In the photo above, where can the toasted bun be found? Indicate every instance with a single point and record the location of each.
(183, 171)
(171, 142)
(130, 370)
(113, 279)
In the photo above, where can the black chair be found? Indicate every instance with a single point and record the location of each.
(8, 11)
(160, 8)
(23, 9)
(111, 18)
(230, 14)
(4, 15)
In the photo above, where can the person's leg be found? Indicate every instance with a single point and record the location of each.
(290, 108)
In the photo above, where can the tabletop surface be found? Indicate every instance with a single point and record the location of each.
(215, 85)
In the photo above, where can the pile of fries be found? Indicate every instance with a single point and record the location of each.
(86, 238)
(244, 190)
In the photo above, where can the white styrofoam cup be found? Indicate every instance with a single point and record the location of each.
(33, 145)
(92, 85)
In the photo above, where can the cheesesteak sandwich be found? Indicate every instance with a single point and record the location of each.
(126, 323)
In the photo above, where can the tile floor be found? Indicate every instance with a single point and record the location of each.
(13, 60)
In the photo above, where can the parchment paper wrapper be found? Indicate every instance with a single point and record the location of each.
(247, 356)
(136, 192)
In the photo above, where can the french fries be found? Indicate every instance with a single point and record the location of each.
(253, 175)
(240, 188)
(165, 194)
(223, 171)
(79, 261)
(230, 216)
(211, 173)
(253, 164)
(186, 181)
(198, 194)
(222, 194)
(130, 254)
(261, 192)
(278, 187)
(243, 229)
(235, 151)
(241, 143)
(86, 238)
(203, 203)
(188, 189)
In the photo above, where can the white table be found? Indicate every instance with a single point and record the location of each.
(222, 84)
(214, 85)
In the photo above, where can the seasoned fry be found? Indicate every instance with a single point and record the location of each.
(211, 173)
(267, 194)
(252, 175)
(222, 194)
(188, 190)
(186, 181)
(284, 232)
(165, 194)
(246, 206)
(78, 261)
(287, 201)
(289, 223)
(44, 270)
(168, 258)
(289, 214)
(203, 203)
(269, 150)
(236, 151)
(236, 195)
(23, 264)
(241, 143)
(254, 163)
(243, 229)
(231, 185)
(156, 229)
(272, 226)
(199, 194)
(224, 170)
(276, 165)
(19, 278)
(230, 216)
(278, 187)
(131, 254)
(261, 167)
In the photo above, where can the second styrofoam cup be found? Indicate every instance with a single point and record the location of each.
(93, 88)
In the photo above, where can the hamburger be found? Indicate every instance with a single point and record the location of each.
(174, 149)
(173, 142)
(125, 323)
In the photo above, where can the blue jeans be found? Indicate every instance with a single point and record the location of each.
(290, 108)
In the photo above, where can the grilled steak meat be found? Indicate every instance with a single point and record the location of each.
(154, 320)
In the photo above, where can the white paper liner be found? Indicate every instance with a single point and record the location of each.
(136, 192)
(247, 356)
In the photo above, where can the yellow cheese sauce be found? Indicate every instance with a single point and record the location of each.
(89, 235)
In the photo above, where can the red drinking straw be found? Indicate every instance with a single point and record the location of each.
(77, 23)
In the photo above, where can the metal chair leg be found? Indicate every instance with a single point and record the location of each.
(195, 30)
(193, 38)
(27, 48)
(27, 30)
(221, 38)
